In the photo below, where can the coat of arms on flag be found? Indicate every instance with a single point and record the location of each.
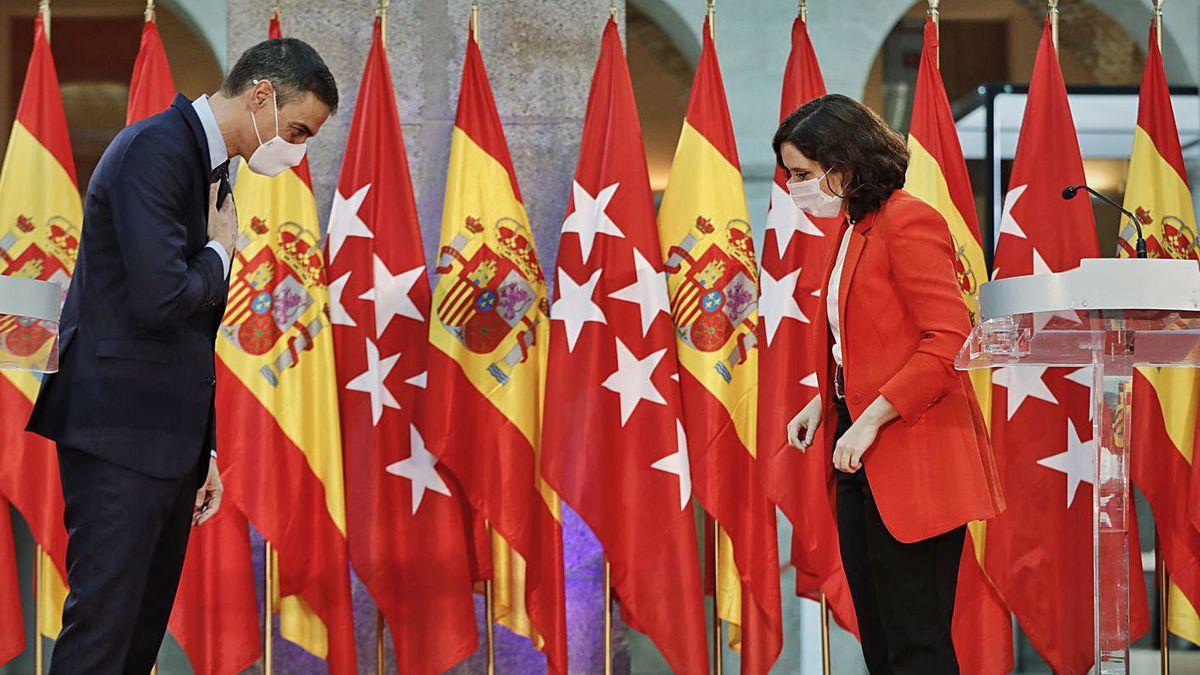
(717, 293)
(488, 301)
(270, 298)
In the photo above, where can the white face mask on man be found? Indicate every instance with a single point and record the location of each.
(811, 199)
(276, 155)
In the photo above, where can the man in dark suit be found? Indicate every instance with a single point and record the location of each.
(132, 406)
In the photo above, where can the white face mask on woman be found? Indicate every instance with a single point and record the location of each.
(811, 199)
(276, 155)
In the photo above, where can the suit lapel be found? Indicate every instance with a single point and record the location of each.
(854, 250)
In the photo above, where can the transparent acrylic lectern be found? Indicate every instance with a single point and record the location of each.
(29, 311)
(1113, 315)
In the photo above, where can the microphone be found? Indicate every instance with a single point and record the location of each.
(1140, 245)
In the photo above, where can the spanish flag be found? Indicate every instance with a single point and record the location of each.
(1165, 400)
(487, 368)
(712, 278)
(40, 220)
(279, 441)
(937, 174)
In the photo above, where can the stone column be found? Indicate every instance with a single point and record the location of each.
(540, 55)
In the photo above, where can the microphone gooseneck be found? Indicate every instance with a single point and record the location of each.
(1140, 245)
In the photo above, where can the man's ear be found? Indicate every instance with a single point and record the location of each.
(261, 94)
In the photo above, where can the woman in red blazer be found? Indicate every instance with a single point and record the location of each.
(909, 448)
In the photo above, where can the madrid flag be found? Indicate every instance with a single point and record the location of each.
(487, 368)
(40, 220)
(795, 249)
(1165, 400)
(405, 522)
(713, 284)
(1039, 551)
(277, 419)
(937, 174)
(614, 444)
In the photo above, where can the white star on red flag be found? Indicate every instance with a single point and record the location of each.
(633, 380)
(390, 295)
(1009, 224)
(677, 463)
(344, 221)
(420, 468)
(777, 301)
(589, 219)
(1078, 462)
(1023, 382)
(338, 316)
(649, 292)
(575, 306)
(371, 381)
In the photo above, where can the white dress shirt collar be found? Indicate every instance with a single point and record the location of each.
(218, 154)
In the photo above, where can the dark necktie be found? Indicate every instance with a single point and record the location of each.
(221, 173)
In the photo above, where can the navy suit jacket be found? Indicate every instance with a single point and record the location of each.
(137, 374)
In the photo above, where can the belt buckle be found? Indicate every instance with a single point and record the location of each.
(839, 384)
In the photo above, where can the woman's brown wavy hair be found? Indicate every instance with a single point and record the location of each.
(844, 135)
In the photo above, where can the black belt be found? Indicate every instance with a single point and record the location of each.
(839, 384)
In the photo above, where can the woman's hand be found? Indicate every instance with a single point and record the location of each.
(803, 427)
(849, 449)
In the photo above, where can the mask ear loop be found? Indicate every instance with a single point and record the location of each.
(274, 105)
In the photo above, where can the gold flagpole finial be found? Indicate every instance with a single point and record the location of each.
(381, 12)
(711, 15)
(802, 10)
(44, 10)
(612, 9)
(1158, 21)
(935, 16)
(149, 14)
(277, 9)
(475, 19)
(1054, 22)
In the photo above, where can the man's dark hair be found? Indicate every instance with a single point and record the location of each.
(292, 66)
(844, 135)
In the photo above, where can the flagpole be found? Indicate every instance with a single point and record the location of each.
(149, 14)
(381, 12)
(711, 15)
(44, 10)
(38, 649)
(1054, 22)
(1163, 581)
(1158, 21)
(475, 20)
(380, 643)
(608, 642)
(489, 599)
(718, 636)
(802, 9)
(936, 17)
(490, 615)
(268, 606)
(612, 9)
(825, 660)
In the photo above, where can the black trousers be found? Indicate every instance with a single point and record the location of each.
(127, 534)
(903, 593)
